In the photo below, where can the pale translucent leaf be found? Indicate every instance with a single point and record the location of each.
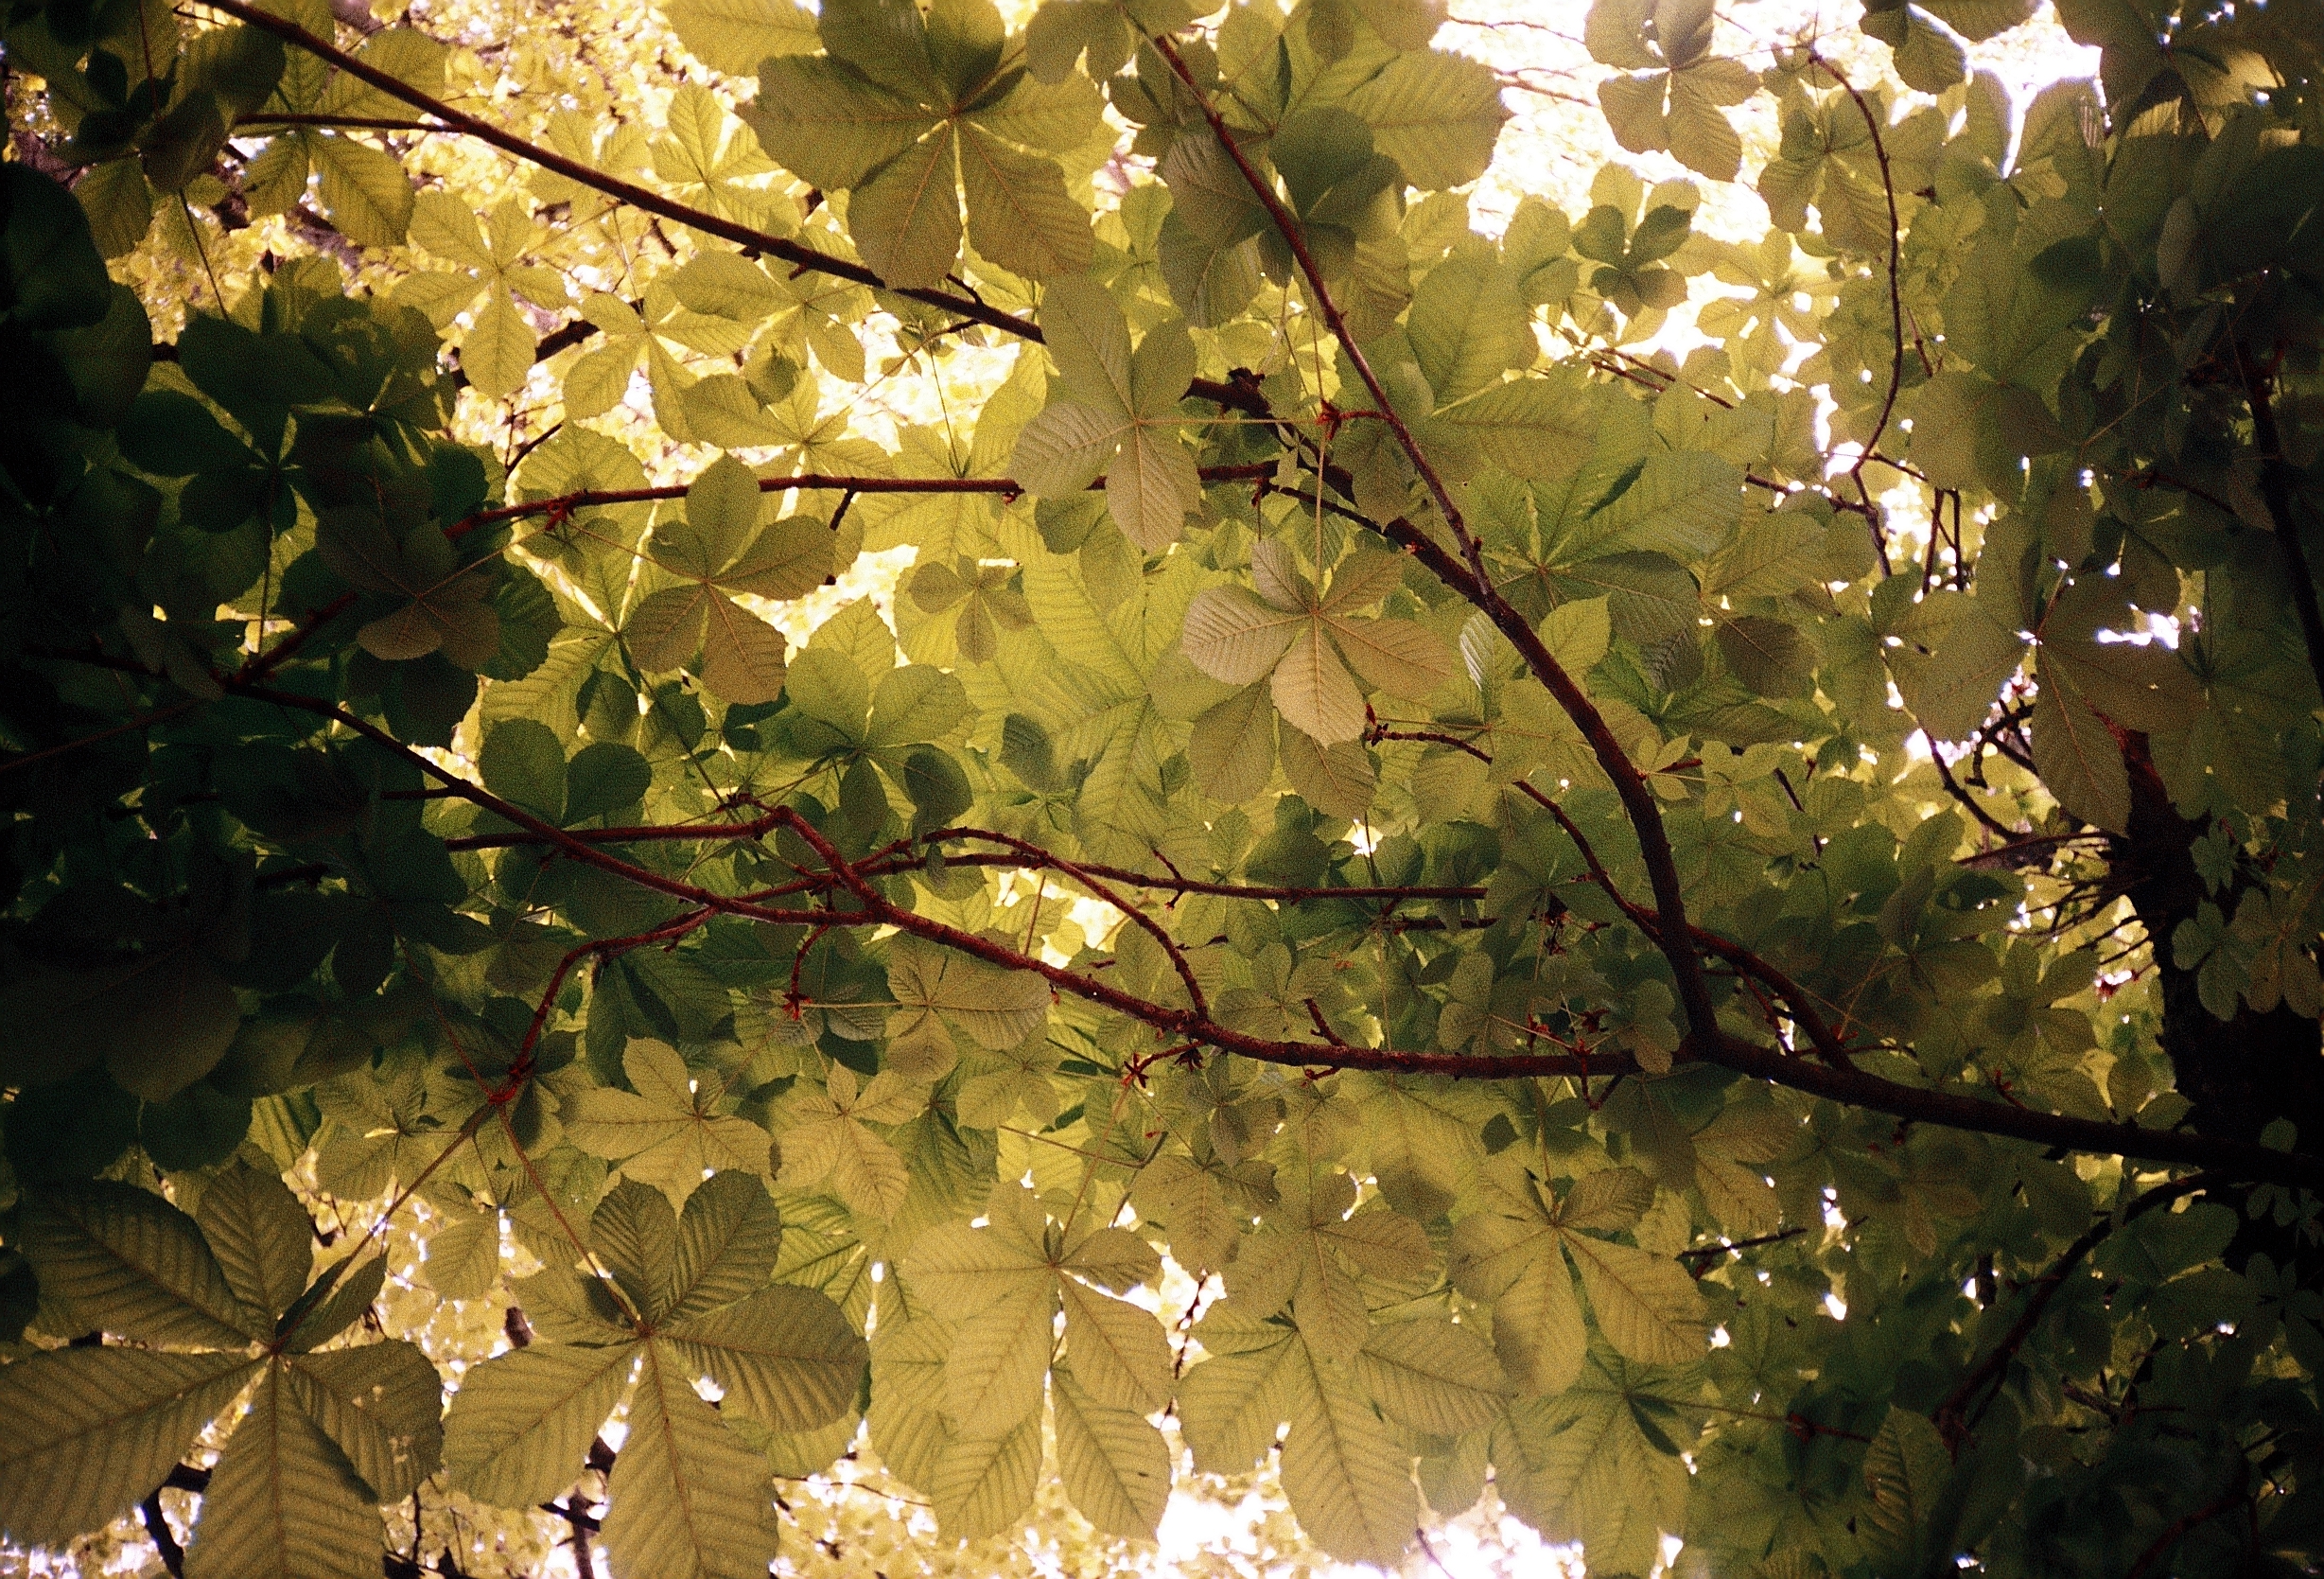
(786, 1357)
(687, 1498)
(1433, 1376)
(519, 1427)
(1115, 1467)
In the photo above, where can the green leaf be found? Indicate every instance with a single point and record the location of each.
(827, 125)
(519, 1427)
(728, 1238)
(1020, 213)
(906, 218)
(1684, 505)
(1973, 656)
(1119, 417)
(1468, 325)
(1347, 1483)
(1906, 1470)
(282, 1503)
(666, 1132)
(915, 704)
(828, 1141)
(982, 1485)
(382, 1405)
(260, 1236)
(129, 1262)
(364, 191)
(91, 1432)
(523, 761)
(1115, 1467)
(1232, 747)
(2076, 754)
(48, 259)
(785, 1356)
(1581, 1468)
(1539, 428)
(1121, 1357)
(498, 351)
(735, 35)
(176, 1030)
(689, 1500)
(604, 777)
(119, 205)
(1432, 1376)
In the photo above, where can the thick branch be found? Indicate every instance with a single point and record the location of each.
(2233, 1159)
(2276, 489)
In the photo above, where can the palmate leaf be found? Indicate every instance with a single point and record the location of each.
(1581, 1468)
(719, 549)
(283, 1502)
(1514, 1254)
(931, 987)
(665, 1131)
(910, 119)
(327, 1436)
(1118, 416)
(91, 1432)
(688, 1494)
(1306, 644)
(998, 1290)
(828, 1140)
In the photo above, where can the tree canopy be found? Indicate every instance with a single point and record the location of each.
(1655, 870)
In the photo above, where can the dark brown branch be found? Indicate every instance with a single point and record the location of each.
(157, 1530)
(2229, 1158)
(1707, 1255)
(646, 201)
(1895, 292)
(1986, 819)
(2152, 1557)
(566, 504)
(1965, 1403)
(131, 725)
(2276, 489)
(358, 123)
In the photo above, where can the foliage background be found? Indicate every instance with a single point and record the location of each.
(614, 66)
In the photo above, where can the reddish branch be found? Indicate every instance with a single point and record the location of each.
(2228, 1158)
(2153, 1556)
(1476, 585)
